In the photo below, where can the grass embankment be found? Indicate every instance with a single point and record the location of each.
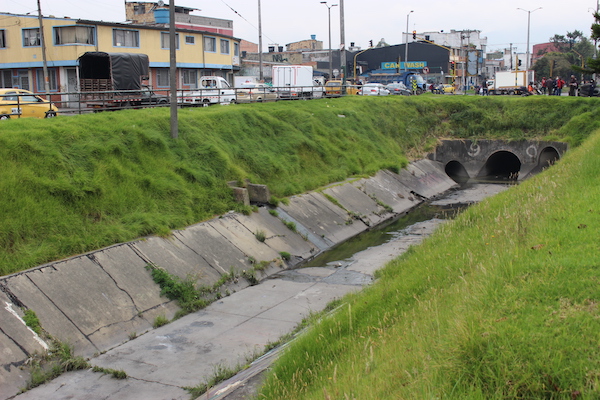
(74, 184)
(501, 303)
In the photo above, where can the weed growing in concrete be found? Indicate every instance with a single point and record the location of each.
(260, 236)
(250, 276)
(57, 360)
(220, 374)
(133, 335)
(159, 321)
(32, 321)
(117, 374)
(274, 213)
(290, 225)
(285, 255)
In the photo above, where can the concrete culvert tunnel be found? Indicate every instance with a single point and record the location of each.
(502, 165)
(548, 157)
(457, 172)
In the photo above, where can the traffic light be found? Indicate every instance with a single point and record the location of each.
(370, 43)
(452, 67)
(520, 63)
(414, 34)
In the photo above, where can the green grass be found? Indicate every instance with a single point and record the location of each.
(501, 303)
(75, 184)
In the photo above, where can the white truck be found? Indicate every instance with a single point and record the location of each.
(212, 90)
(510, 82)
(296, 82)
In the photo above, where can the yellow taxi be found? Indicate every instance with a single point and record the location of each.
(19, 103)
(448, 88)
(333, 88)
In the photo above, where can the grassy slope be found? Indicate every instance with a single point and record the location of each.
(74, 184)
(502, 303)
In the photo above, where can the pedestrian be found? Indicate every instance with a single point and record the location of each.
(544, 85)
(549, 85)
(572, 85)
(485, 88)
(592, 87)
(558, 85)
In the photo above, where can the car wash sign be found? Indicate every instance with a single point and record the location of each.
(404, 65)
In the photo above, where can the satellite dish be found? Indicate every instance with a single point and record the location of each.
(160, 3)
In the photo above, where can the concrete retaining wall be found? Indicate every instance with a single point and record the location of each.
(95, 301)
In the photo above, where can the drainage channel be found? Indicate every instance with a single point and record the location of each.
(406, 230)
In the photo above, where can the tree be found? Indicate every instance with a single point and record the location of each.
(566, 60)
(593, 64)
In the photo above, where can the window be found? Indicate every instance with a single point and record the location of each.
(210, 44)
(164, 40)
(139, 9)
(190, 78)
(31, 37)
(162, 77)
(224, 46)
(6, 78)
(190, 40)
(126, 38)
(74, 35)
(236, 49)
(51, 79)
(2, 39)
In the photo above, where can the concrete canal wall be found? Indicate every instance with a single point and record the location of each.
(97, 300)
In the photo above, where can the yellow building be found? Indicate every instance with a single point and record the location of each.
(199, 53)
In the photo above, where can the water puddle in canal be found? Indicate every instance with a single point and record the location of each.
(420, 221)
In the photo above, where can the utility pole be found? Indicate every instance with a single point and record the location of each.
(173, 70)
(260, 60)
(330, 54)
(43, 43)
(528, 25)
(406, 41)
(343, 44)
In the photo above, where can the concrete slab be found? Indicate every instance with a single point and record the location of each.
(177, 258)
(426, 178)
(322, 218)
(12, 357)
(88, 297)
(243, 237)
(279, 237)
(90, 385)
(128, 271)
(212, 246)
(386, 187)
(359, 203)
(52, 318)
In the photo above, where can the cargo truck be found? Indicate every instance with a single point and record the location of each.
(296, 82)
(510, 82)
(116, 80)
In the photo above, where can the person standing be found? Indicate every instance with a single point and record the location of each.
(549, 85)
(544, 85)
(573, 85)
(558, 85)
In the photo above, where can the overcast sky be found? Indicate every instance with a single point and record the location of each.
(286, 21)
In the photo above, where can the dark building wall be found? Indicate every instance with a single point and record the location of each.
(437, 58)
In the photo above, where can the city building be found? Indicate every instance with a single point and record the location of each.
(199, 52)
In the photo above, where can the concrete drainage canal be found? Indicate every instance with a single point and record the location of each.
(391, 238)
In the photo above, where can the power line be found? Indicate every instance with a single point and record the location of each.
(242, 17)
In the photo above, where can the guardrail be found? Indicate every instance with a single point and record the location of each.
(96, 101)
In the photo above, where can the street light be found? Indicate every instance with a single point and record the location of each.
(528, 24)
(406, 41)
(330, 55)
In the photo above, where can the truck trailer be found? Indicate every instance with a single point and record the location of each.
(296, 82)
(510, 82)
(116, 80)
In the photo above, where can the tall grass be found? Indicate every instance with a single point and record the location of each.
(74, 184)
(501, 303)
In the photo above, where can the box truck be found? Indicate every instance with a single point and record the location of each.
(296, 82)
(510, 82)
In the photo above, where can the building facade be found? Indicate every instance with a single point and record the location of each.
(22, 59)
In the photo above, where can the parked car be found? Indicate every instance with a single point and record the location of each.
(333, 88)
(399, 89)
(152, 98)
(448, 88)
(373, 89)
(19, 103)
(250, 92)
